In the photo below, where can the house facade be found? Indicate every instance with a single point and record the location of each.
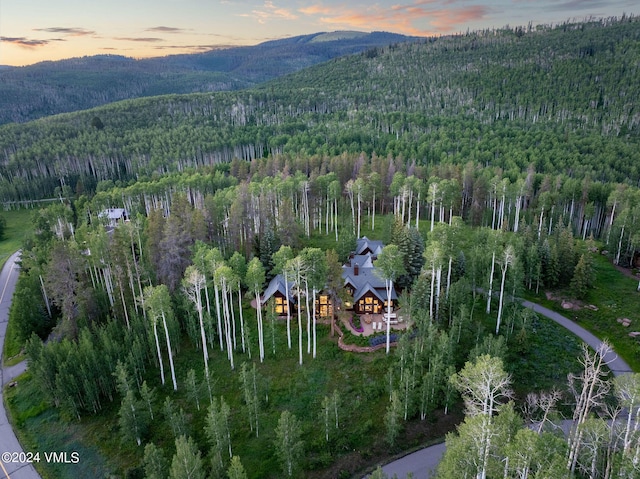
(363, 281)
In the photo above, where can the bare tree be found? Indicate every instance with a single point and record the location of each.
(589, 389)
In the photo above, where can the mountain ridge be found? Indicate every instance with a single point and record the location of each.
(52, 87)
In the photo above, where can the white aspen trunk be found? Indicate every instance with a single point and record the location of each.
(620, 245)
(359, 211)
(286, 289)
(433, 210)
(373, 217)
(495, 207)
(314, 323)
(241, 318)
(389, 284)
(409, 208)
(44, 294)
(216, 293)
(613, 212)
(173, 371)
(335, 217)
(438, 277)
(326, 217)
(504, 275)
(299, 323)
(260, 337)
(448, 277)
(306, 300)
(227, 317)
(493, 263)
(155, 335)
(431, 296)
(124, 306)
(540, 222)
(551, 219)
(205, 352)
(233, 320)
(418, 210)
(516, 221)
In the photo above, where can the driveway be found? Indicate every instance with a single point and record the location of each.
(11, 468)
(423, 463)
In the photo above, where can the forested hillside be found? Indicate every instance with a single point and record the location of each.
(50, 88)
(559, 100)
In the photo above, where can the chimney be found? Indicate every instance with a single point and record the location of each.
(356, 269)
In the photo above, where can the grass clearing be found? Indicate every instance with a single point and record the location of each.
(18, 228)
(615, 296)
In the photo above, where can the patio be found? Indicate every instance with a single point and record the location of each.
(375, 323)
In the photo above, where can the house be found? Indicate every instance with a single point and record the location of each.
(277, 290)
(362, 281)
(113, 216)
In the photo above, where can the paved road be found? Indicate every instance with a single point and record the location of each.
(8, 441)
(423, 463)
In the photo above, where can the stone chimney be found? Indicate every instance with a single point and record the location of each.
(356, 269)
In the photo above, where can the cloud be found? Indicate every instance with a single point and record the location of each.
(140, 39)
(421, 17)
(74, 32)
(163, 29)
(270, 11)
(24, 42)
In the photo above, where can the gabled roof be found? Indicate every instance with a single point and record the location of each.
(113, 213)
(380, 293)
(277, 285)
(365, 245)
(368, 278)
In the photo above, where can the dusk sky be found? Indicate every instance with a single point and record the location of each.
(37, 30)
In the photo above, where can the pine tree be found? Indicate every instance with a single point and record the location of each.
(289, 446)
(582, 278)
(155, 464)
(187, 461)
(236, 469)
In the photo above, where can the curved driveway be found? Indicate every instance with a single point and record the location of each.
(423, 462)
(8, 441)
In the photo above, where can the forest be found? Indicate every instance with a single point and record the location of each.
(146, 333)
(49, 88)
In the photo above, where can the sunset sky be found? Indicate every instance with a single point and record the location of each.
(37, 30)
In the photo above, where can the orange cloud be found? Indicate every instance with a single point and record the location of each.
(422, 17)
(270, 11)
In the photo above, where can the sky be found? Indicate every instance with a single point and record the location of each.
(32, 31)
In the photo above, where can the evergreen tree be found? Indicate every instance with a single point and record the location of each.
(187, 461)
(289, 446)
(155, 463)
(236, 469)
(582, 279)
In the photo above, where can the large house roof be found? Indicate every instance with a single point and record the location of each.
(278, 285)
(368, 277)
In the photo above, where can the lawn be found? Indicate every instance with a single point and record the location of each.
(615, 296)
(18, 228)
